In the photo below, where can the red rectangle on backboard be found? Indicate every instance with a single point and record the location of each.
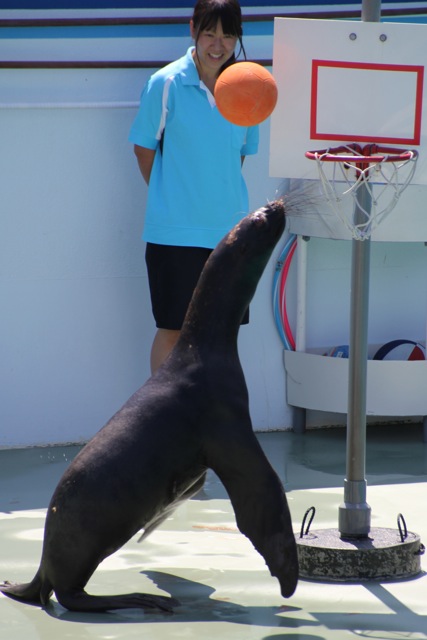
(346, 107)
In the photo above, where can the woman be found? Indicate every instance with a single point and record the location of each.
(191, 159)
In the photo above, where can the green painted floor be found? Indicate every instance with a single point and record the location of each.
(199, 557)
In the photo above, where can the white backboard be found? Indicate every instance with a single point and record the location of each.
(347, 81)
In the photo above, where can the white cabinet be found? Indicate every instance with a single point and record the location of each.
(318, 382)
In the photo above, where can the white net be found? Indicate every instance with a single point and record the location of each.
(382, 177)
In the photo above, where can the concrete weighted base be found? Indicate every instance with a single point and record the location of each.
(323, 555)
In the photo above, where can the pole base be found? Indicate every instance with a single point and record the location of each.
(382, 555)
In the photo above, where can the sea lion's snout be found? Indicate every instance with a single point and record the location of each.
(272, 213)
(271, 217)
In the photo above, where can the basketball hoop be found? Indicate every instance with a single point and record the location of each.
(384, 172)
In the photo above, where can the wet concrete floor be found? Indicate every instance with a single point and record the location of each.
(199, 557)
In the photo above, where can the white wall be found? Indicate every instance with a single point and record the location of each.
(76, 323)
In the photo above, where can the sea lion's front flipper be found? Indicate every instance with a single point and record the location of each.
(260, 506)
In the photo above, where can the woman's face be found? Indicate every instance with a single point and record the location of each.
(214, 48)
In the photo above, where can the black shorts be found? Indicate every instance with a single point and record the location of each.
(173, 273)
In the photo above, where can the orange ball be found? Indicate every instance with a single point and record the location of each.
(245, 93)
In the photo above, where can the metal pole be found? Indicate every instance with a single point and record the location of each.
(354, 515)
(371, 10)
(298, 413)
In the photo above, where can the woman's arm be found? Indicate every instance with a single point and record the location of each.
(145, 159)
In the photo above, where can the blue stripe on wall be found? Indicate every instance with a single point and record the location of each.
(163, 4)
(262, 28)
(123, 31)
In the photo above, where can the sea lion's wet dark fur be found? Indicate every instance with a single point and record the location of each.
(191, 415)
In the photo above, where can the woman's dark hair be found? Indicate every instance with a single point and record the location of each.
(207, 13)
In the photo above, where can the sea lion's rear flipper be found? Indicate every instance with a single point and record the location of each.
(79, 600)
(260, 506)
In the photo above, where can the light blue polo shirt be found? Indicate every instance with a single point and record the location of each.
(197, 192)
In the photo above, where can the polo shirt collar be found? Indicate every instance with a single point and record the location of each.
(189, 72)
(190, 75)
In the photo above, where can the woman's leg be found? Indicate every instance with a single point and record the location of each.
(163, 343)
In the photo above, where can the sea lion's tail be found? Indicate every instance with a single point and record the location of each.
(37, 591)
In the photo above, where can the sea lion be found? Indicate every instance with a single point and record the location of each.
(191, 415)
